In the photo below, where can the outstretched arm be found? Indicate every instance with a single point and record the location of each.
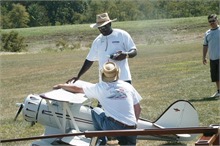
(69, 87)
(87, 64)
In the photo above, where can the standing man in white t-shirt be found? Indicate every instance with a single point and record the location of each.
(212, 45)
(119, 100)
(114, 45)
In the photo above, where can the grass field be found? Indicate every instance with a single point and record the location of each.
(168, 67)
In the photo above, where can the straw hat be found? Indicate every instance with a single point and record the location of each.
(110, 72)
(101, 20)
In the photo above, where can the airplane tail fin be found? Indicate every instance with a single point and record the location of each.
(180, 114)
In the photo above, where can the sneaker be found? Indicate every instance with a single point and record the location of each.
(217, 94)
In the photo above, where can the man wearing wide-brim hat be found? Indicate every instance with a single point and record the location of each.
(119, 100)
(114, 45)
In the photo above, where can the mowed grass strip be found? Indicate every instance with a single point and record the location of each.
(165, 70)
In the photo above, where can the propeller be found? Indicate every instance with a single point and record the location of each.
(19, 110)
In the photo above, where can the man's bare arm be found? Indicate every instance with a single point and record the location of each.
(69, 87)
(87, 64)
(137, 110)
(205, 50)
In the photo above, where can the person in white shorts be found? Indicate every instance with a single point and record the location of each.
(113, 45)
(119, 99)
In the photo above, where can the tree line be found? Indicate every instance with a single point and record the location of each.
(21, 14)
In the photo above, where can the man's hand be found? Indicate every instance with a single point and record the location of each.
(72, 80)
(204, 61)
(118, 56)
(56, 86)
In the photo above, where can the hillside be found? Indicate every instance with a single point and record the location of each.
(161, 31)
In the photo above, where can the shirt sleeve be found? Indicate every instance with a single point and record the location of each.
(93, 53)
(128, 41)
(205, 42)
(136, 97)
(90, 91)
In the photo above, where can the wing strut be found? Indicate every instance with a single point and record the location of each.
(66, 109)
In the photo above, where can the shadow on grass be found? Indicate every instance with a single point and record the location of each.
(205, 99)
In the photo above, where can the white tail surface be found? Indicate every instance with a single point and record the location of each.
(179, 115)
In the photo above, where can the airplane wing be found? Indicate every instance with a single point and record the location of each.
(64, 96)
(77, 140)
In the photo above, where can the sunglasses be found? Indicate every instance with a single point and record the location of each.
(211, 21)
(107, 26)
(102, 28)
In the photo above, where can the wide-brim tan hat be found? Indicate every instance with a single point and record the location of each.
(101, 20)
(110, 72)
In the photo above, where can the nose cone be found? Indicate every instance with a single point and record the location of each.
(31, 107)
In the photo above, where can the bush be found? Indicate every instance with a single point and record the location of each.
(62, 45)
(12, 42)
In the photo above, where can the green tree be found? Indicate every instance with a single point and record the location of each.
(146, 8)
(4, 20)
(64, 12)
(95, 7)
(14, 15)
(38, 15)
(18, 17)
(128, 10)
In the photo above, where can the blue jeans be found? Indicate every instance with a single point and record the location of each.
(101, 122)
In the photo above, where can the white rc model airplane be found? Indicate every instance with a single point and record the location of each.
(62, 112)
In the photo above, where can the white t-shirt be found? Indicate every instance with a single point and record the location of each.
(117, 99)
(212, 40)
(104, 46)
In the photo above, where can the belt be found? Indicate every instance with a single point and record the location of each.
(122, 124)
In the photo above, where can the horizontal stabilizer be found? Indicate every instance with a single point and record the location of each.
(179, 135)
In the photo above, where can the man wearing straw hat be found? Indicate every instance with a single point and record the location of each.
(114, 45)
(119, 100)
